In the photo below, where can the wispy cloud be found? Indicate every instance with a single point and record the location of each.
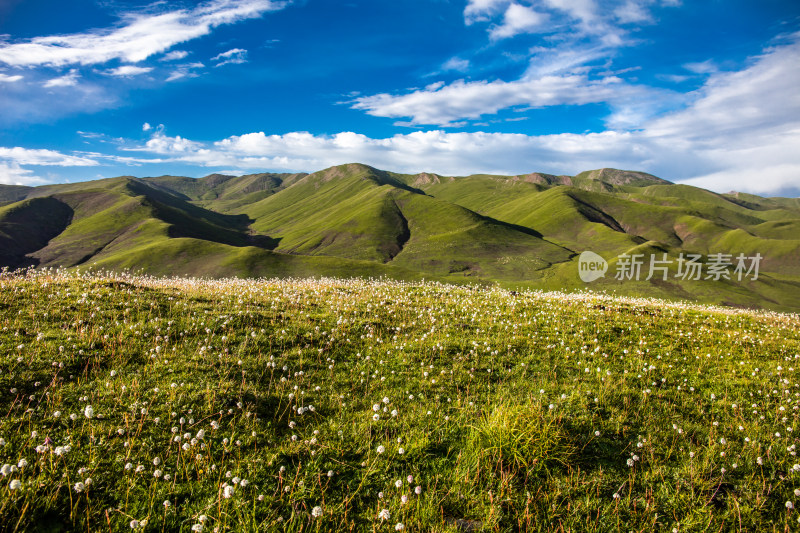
(519, 19)
(12, 171)
(32, 100)
(67, 63)
(13, 174)
(28, 156)
(234, 56)
(444, 105)
(482, 10)
(175, 55)
(188, 70)
(67, 80)
(127, 71)
(633, 12)
(585, 11)
(139, 37)
(566, 67)
(734, 106)
(455, 64)
(5, 78)
(704, 67)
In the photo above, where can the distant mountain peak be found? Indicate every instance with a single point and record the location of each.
(546, 179)
(343, 171)
(426, 178)
(613, 176)
(214, 180)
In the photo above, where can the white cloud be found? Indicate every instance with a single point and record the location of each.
(518, 19)
(5, 78)
(146, 126)
(571, 25)
(103, 159)
(127, 71)
(564, 60)
(736, 106)
(455, 63)
(162, 144)
(230, 53)
(445, 104)
(480, 10)
(11, 159)
(28, 156)
(141, 35)
(33, 99)
(746, 124)
(234, 56)
(438, 151)
(673, 78)
(67, 80)
(705, 67)
(583, 10)
(632, 12)
(185, 71)
(175, 55)
(774, 180)
(582, 37)
(92, 135)
(13, 174)
(449, 153)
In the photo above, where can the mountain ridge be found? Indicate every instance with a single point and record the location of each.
(525, 230)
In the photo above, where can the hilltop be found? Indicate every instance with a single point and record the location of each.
(520, 231)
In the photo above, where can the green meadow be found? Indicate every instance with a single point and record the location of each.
(136, 403)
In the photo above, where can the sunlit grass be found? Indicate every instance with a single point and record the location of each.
(243, 405)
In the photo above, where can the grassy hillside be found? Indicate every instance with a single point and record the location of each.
(27, 226)
(520, 231)
(225, 193)
(344, 211)
(329, 405)
(105, 219)
(12, 193)
(359, 213)
(210, 259)
(664, 218)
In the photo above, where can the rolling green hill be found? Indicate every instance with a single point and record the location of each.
(524, 231)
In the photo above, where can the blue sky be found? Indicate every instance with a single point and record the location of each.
(702, 92)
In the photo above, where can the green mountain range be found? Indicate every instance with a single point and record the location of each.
(354, 220)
